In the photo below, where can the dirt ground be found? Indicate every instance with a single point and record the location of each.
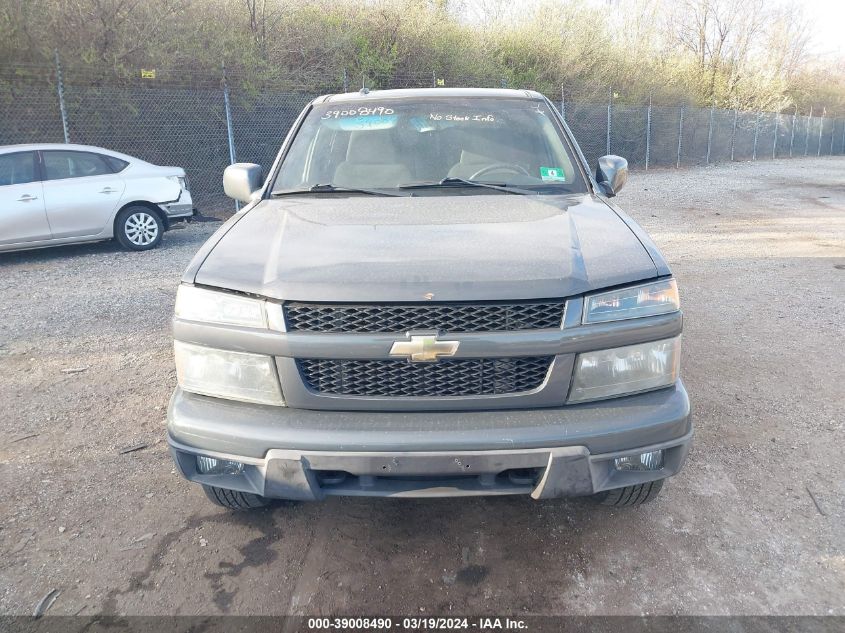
(753, 525)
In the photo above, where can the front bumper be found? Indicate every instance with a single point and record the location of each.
(307, 454)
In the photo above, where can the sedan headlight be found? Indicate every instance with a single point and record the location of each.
(181, 180)
(659, 297)
(623, 370)
(226, 374)
(211, 306)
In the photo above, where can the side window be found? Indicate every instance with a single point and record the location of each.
(116, 164)
(60, 164)
(17, 168)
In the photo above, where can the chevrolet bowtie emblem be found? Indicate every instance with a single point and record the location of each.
(424, 348)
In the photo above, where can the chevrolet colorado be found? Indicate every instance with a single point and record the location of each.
(428, 295)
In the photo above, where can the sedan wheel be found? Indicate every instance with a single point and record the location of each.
(141, 228)
(138, 228)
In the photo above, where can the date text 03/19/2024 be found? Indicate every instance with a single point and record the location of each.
(418, 624)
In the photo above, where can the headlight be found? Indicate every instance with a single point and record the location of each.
(225, 374)
(210, 306)
(624, 370)
(659, 297)
(181, 180)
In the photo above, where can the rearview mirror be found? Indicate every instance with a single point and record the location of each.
(241, 181)
(612, 173)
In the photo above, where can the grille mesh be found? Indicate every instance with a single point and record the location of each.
(399, 378)
(445, 317)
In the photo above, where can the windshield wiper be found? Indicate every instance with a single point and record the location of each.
(334, 189)
(452, 181)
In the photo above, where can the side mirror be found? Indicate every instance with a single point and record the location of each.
(612, 173)
(242, 180)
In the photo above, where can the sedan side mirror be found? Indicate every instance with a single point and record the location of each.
(241, 181)
(612, 173)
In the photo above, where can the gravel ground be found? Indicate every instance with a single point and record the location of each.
(753, 525)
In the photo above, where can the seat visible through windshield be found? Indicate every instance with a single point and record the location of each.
(399, 142)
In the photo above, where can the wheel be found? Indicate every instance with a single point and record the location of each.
(138, 228)
(508, 167)
(234, 499)
(630, 495)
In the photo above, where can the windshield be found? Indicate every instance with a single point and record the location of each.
(395, 143)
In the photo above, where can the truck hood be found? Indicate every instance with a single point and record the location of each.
(463, 247)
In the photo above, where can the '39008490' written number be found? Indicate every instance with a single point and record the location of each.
(362, 111)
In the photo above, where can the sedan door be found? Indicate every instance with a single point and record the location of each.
(22, 214)
(81, 192)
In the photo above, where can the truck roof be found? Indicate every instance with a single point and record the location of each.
(417, 93)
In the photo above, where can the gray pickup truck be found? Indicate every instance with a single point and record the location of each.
(428, 295)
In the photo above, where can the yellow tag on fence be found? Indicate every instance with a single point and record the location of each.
(148, 74)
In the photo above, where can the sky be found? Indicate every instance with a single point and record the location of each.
(828, 17)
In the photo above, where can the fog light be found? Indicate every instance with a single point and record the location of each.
(211, 466)
(653, 460)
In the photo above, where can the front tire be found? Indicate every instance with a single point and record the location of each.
(630, 495)
(138, 228)
(234, 499)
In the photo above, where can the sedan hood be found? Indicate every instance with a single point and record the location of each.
(462, 247)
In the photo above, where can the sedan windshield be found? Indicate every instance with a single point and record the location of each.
(435, 144)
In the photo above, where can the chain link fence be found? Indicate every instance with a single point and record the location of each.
(204, 123)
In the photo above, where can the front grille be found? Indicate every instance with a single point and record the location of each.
(401, 379)
(445, 317)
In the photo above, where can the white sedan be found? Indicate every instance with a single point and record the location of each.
(60, 194)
